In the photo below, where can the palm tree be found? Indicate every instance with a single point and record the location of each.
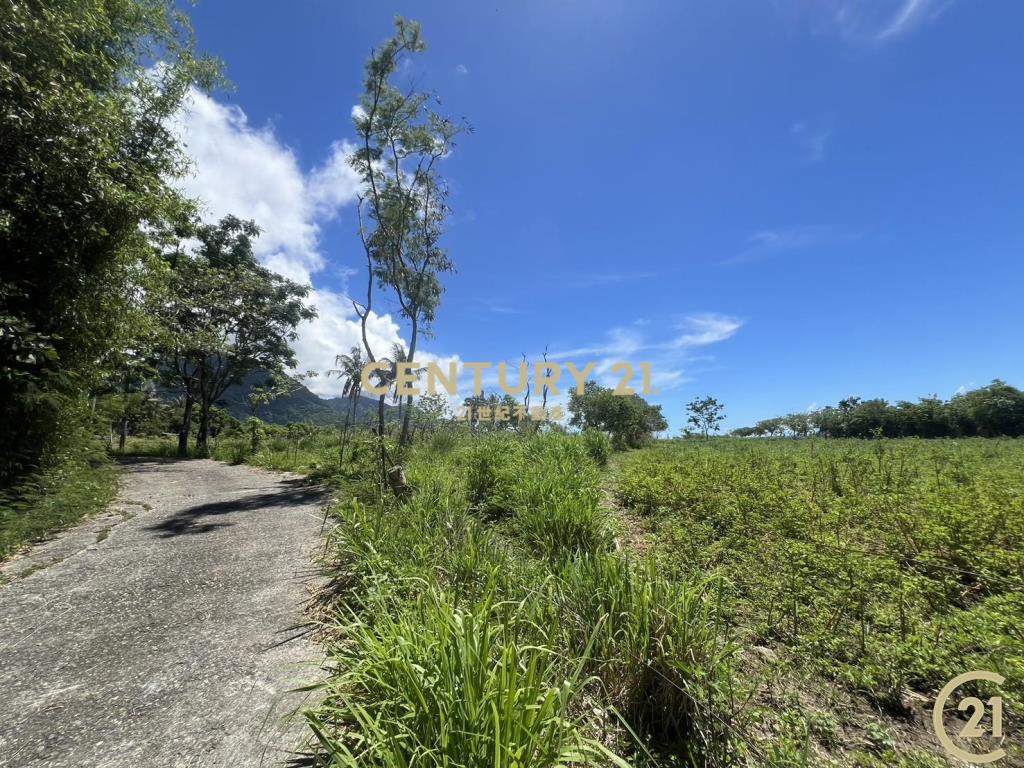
(350, 368)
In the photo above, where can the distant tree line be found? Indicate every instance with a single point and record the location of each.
(996, 410)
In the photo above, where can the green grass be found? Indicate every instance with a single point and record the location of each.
(430, 681)
(54, 499)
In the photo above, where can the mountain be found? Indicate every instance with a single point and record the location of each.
(300, 406)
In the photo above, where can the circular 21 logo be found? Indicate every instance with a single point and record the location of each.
(977, 708)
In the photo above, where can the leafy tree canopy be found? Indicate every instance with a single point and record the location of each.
(629, 419)
(85, 185)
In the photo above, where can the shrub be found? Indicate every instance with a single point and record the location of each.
(658, 650)
(565, 525)
(439, 685)
(598, 444)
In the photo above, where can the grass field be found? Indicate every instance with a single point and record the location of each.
(730, 602)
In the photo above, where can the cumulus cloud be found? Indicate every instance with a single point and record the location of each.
(248, 171)
(241, 169)
(335, 331)
(334, 184)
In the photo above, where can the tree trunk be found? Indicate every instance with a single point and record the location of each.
(350, 420)
(186, 426)
(399, 485)
(123, 437)
(406, 438)
(203, 438)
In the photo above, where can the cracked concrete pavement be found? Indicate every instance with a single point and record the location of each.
(163, 633)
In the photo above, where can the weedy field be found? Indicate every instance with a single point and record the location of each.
(874, 571)
(540, 600)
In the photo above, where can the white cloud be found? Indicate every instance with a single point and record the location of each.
(768, 242)
(462, 69)
(811, 140)
(705, 328)
(864, 21)
(335, 331)
(247, 171)
(334, 184)
(668, 354)
(696, 330)
(912, 13)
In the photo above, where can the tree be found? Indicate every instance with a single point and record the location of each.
(990, 411)
(993, 410)
(401, 359)
(350, 368)
(770, 427)
(85, 184)
(798, 423)
(274, 386)
(629, 419)
(404, 205)
(227, 317)
(705, 414)
(430, 412)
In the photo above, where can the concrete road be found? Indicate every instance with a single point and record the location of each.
(158, 634)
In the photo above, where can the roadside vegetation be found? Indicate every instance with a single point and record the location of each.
(112, 288)
(545, 599)
(71, 487)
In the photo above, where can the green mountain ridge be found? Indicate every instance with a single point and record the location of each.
(300, 406)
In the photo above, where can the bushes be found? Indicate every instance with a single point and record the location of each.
(658, 650)
(73, 478)
(546, 485)
(866, 559)
(564, 525)
(491, 468)
(598, 444)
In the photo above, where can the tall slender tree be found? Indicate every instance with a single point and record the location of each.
(404, 204)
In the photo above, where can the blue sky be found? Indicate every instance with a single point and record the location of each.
(780, 204)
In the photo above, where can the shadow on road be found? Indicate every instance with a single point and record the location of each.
(203, 518)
